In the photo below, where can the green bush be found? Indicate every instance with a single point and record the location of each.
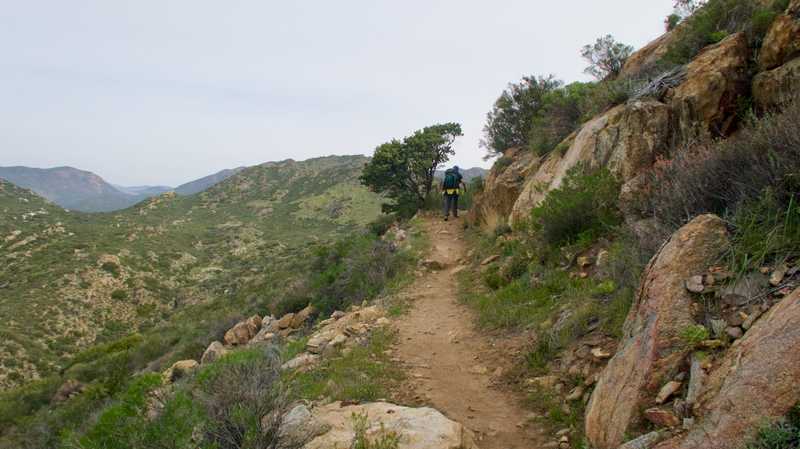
(119, 295)
(351, 271)
(111, 268)
(717, 19)
(751, 179)
(244, 400)
(508, 124)
(383, 223)
(783, 434)
(583, 208)
(692, 336)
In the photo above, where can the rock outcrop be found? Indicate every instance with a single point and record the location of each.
(782, 42)
(501, 188)
(626, 139)
(774, 88)
(648, 56)
(651, 349)
(417, 428)
(755, 382)
(706, 102)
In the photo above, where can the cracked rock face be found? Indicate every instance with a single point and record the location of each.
(651, 349)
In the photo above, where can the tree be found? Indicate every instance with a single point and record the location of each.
(404, 170)
(606, 57)
(508, 124)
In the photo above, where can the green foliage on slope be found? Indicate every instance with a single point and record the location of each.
(70, 279)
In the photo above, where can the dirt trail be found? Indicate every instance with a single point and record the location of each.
(450, 362)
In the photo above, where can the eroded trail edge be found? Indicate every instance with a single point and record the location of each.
(451, 364)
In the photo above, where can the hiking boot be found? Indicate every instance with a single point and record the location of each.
(445, 218)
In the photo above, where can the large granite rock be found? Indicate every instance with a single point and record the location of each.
(774, 88)
(626, 139)
(418, 428)
(781, 43)
(651, 349)
(756, 382)
(501, 188)
(706, 102)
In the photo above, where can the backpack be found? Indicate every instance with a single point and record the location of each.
(450, 179)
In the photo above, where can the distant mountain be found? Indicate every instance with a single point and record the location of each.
(70, 188)
(143, 190)
(85, 191)
(198, 185)
(467, 173)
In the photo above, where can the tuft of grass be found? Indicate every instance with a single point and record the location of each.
(362, 374)
(782, 434)
(382, 440)
(693, 335)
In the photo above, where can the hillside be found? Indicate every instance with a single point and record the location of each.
(198, 185)
(97, 277)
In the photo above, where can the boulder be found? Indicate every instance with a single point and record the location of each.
(418, 428)
(300, 318)
(239, 334)
(214, 351)
(286, 321)
(501, 188)
(781, 43)
(648, 56)
(651, 348)
(756, 382)
(299, 426)
(775, 88)
(302, 361)
(179, 370)
(661, 417)
(705, 103)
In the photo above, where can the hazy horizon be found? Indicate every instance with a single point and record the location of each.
(153, 93)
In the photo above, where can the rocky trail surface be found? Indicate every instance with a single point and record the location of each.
(452, 366)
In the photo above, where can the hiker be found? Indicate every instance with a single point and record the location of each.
(451, 185)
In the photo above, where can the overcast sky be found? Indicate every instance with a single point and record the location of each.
(166, 91)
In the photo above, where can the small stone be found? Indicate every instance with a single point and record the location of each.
(383, 321)
(286, 321)
(668, 390)
(563, 432)
(734, 332)
(432, 264)
(777, 276)
(602, 258)
(751, 319)
(575, 394)
(600, 353)
(695, 284)
(490, 259)
(661, 417)
(585, 261)
(337, 314)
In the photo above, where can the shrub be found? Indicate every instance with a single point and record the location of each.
(694, 335)
(382, 224)
(508, 124)
(606, 57)
(244, 400)
(561, 113)
(715, 20)
(111, 268)
(119, 295)
(751, 179)
(783, 434)
(584, 207)
(351, 271)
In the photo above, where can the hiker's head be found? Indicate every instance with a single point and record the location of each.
(455, 168)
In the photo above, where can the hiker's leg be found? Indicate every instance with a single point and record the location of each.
(455, 205)
(446, 205)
